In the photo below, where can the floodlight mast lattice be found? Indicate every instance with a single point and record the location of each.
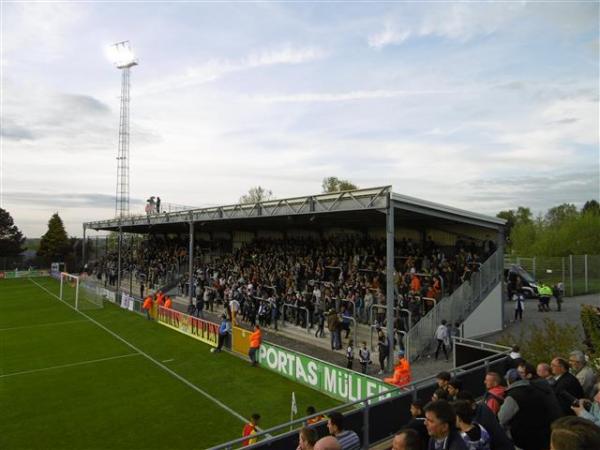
(124, 60)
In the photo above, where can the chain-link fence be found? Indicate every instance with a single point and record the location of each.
(579, 273)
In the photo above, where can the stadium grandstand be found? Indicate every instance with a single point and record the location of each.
(378, 258)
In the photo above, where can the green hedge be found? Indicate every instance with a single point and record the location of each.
(590, 321)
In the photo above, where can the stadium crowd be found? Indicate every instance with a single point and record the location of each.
(529, 407)
(322, 282)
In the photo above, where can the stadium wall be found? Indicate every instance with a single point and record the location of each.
(487, 317)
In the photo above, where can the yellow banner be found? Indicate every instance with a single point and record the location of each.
(240, 340)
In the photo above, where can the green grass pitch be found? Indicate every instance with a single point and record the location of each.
(67, 383)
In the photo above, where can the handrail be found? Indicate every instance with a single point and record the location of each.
(290, 305)
(396, 310)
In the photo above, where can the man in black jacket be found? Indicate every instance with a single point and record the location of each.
(567, 388)
(523, 412)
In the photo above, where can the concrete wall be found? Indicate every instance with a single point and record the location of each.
(487, 317)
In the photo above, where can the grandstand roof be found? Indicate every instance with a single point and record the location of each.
(360, 209)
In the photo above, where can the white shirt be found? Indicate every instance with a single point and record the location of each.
(441, 333)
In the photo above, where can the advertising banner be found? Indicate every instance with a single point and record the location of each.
(202, 330)
(24, 274)
(240, 343)
(337, 382)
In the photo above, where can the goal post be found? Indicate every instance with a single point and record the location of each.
(86, 298)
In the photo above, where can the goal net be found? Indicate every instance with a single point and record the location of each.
(81, 299)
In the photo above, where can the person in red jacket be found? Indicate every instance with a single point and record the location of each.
(168, 303)
(255, 341)
(401, 375)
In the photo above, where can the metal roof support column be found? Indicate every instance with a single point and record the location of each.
(191, 261)
(389, 277)
(83, 250)
(119, 246)
(500, 262)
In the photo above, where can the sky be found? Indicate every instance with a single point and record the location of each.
(483, 106)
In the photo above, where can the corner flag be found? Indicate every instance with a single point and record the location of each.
(294, 405)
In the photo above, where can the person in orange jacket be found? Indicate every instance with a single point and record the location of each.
(255, 341)
(147, 305)
(168, 303)
(160, 299)
(401, 375)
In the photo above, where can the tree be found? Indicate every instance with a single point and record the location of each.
(591, 206)
(55, 244)
(334, 184)
(558, 214)
(11, 238)
(522, 216)
(257, 194)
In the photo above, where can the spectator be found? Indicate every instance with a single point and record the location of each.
(440, 421)
(442, 379)
(584, 373)
(347, 439)
(566, 387)
(364, 357)
(383, 349)
(519, 306)
(442, 337)
(328, 443)
(475, 436)
(486, 418)
(574, 433)
(494, 395)
(544, 372)
(350, 355)
(332, 326)
(307, 438)
(417, 422)
(527, 372)
(407, 439)
(589, 410)
(522, 413)
(454, 386)
(440, 394)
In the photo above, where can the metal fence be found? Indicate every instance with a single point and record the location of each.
(456, 307)
(579, 273)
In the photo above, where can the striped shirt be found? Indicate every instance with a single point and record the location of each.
(348, 440)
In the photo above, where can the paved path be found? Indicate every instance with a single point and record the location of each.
(570, 314)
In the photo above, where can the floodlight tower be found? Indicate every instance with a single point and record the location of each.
(124, 60)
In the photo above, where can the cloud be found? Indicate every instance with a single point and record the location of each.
(388, 36)
(345, 96)
(13, 132)
(66, 199)
(219, 68)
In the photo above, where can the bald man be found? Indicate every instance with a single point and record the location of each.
(406, 440)
(328, 443)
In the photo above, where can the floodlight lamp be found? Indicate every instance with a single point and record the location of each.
(121, 55)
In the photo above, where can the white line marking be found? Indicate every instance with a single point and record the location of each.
(49, 324)
(162, 366)
(169, 360)
(81, 363)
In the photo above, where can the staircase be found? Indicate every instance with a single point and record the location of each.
(456, 307)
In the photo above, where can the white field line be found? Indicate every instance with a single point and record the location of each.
(62, 366)
(49, 324)
(150, 358)
(168, 360)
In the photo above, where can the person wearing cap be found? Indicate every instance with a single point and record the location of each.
(401, 375)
